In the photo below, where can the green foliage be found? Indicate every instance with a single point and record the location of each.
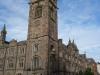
(80, 72)
(88, 71)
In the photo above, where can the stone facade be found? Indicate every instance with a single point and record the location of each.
(42, 53)
(70, 61)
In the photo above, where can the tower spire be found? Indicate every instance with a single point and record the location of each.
(73, 41)
(69, 41)
(3, 33)
(4, 28)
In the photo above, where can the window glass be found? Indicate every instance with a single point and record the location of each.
(10, 52)
(21, 51)
(21, 63)
(36, 62)
(10, 64)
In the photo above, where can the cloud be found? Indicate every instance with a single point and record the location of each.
(77, 19)
(15, 15)
(17, 28)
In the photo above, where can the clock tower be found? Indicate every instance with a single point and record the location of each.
(42, 45)
(43, 19)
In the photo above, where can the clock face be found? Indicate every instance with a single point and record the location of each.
(37, 23)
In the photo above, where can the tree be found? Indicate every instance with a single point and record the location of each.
(88, 71)
(80, 72)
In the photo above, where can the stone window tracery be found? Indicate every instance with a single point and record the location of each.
(21, 63)
(35, 62)
(10, 52)
(10, 64)
(35, 48)
(1, 64)
(2, 53)
(38, 12)
(53, 62)
(21, 51)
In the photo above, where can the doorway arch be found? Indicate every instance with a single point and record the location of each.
(19, 74)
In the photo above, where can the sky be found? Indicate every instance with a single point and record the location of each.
(77, 19)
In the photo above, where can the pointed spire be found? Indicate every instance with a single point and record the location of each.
(4, 28)
(4, 32)
(69, 41)
(85, 53)
(73, 41)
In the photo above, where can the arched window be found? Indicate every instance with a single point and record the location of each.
(21, 51)
(38, 12)
(61, 65)
(21, 63)
(10, 63)
(52, 48)
(53, 62)
(1, 64)
(10, 52)
(36, 62)
(35, 48)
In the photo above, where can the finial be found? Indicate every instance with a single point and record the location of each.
(4, 27)
(69, 41)
(73, 41)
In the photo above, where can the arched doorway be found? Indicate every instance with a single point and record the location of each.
(19, 74)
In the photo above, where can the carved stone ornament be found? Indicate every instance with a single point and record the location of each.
(37, 23)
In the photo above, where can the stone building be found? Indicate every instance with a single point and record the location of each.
(42, 53)
(93, 65)
(70, 61)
